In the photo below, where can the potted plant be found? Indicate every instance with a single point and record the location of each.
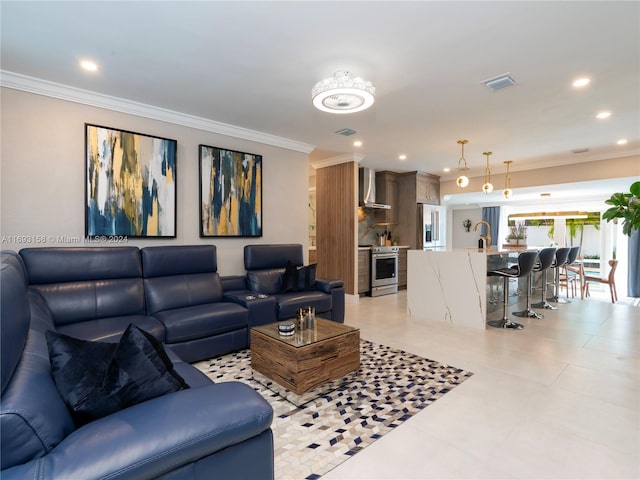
(517, 235)
(627, 207)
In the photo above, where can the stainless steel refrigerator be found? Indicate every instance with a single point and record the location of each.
(431, 227)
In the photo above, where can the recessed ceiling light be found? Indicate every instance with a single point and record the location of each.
(89, 66)
(357, 143)
(446, 169)
(545, 194)
(402, 157)
(622, 141)
(582, 82)
(603, 115)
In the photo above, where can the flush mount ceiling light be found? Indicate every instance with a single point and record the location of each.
(603, 115)
(487, 187)
(343, 94)
(462, 180)
(507, 182)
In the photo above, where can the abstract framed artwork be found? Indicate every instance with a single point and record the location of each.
(230, 193)
(130, 184)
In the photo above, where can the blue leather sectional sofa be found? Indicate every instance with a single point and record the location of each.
(93, 293)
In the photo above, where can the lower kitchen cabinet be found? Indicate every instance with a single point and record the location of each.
(402, 268)
(364, 270)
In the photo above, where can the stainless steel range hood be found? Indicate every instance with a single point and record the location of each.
(367, 189)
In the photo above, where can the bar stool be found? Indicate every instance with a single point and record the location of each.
(545, 260)
(526, 261)
(571, 260)
(562, 255)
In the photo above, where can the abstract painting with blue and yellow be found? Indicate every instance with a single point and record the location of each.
(230, 193)
(131, 184)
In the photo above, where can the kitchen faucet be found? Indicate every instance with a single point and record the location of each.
(487, 239)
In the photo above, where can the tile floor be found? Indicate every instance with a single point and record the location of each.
(557, 400)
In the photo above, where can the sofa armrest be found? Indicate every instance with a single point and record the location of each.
(155, 437)
(327, 285)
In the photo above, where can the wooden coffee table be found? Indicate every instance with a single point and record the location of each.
(307, 359)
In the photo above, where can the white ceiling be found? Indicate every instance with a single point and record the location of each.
(252, 65)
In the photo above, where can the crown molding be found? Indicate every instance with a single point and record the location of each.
(38, 86)
(338, 159)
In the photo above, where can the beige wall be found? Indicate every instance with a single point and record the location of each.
(581, 172)
(42, 177)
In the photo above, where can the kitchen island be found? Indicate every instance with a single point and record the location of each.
(451, 286)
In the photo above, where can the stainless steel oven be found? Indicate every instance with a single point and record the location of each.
(384, 270)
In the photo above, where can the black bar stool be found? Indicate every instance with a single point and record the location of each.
(528, 313)
(546, 257)
(526, 261)
(562, 255)
(571, 260)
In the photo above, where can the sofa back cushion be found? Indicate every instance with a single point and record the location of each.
(267, 281)
(180, 276)
(14, 315)
(87, 283)
(33, 416)
(259, 257)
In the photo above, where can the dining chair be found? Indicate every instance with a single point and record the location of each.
(610, 280)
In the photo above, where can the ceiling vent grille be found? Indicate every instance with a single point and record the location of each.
(580, 150)
(346, 132)
(500, 82)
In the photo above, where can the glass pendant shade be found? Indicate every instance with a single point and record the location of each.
(507, 193)
(487, 188)
(462, 180)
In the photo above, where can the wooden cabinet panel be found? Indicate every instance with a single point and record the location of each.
(364, 270)
(402, 268)
(427, 189)
(313, 256)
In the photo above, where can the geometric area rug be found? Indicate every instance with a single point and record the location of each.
(389, 388)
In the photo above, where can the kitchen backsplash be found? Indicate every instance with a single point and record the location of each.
(368, 233)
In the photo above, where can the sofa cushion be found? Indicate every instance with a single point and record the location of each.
(15, 318)
(201, 321)
(179, 291)
(98, 378)
(178, 260)
(260, 257)
(74, 264)
(289, 303)
(267, 281)
(111, 329)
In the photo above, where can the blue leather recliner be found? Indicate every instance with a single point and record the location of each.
(207, 431)
(265, 266)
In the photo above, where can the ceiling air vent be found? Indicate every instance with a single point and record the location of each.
(346, 132)
(580, 150)
(498, 83)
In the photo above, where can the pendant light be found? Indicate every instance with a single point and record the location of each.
(462, 180)
(488, 186)
(507, 182)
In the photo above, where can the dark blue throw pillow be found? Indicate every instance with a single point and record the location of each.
(97, 379)
(299, 279)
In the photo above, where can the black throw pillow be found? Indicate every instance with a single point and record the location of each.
(97, 379)
(299, 279)
(307, 277)
(290, 278)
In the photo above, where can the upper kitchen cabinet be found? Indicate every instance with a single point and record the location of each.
(419, 187)
(427, 188)
(387, 193)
